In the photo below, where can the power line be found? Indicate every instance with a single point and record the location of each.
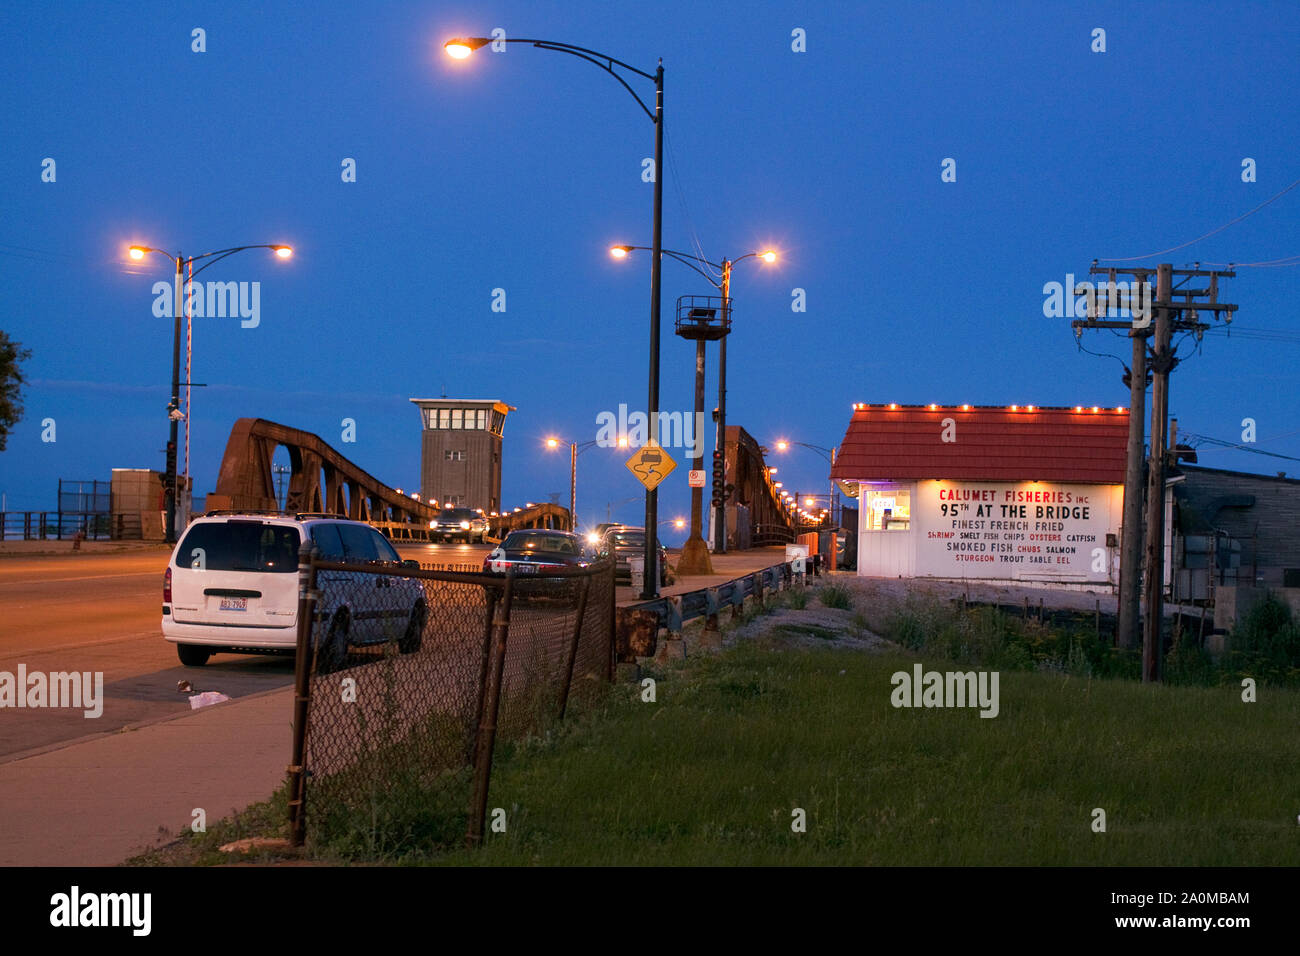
(1197, 440)
(1211, 232)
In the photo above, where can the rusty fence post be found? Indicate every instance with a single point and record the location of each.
(301, 693)
(487, 730)
(492, 599)
(573, 644)
(611, 618)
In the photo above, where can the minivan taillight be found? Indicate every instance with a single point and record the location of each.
(167, 587)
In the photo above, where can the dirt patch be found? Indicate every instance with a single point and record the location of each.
(811, 626)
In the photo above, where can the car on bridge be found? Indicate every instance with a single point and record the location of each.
(231, 585)
(624, 542)
(533, 550)
(464, 523)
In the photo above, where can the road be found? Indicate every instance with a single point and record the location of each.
(101, 613)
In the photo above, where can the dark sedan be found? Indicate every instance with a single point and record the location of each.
(535, 551)
(531, 550)
(623, 543)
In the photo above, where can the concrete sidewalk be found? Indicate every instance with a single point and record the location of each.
(103, 799)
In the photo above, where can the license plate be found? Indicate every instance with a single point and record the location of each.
(525, 569)
(234, 604)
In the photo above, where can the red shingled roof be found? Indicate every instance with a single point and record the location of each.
(992, 444)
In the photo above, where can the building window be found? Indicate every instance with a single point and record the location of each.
(887, 510)
(482, 418)
(444, 418)
(450, 455)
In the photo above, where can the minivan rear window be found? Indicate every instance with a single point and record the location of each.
(240, 546)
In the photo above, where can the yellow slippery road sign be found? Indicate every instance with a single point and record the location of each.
(651, 464)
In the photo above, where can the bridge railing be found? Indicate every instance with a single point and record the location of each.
(44, 525)
(637, 626)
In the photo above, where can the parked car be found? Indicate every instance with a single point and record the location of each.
(530, 550)
(533, 551)
(623, 542)
(231, 585)
(597, 534)
(464, 523)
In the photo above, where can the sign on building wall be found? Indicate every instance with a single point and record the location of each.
(980, 529)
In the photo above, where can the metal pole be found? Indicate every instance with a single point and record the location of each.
(580, 612)
(695, 555)
(720, 510)
(650, 588)
(170, 492)
(1130, 566)
(487, 729)
(301, 694)
(573, 487)
(835, 523)
(1160, 365)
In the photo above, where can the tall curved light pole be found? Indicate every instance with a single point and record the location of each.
(460, 49)
(724, 286)
(575, 449)
(174, 409)
(783, 444)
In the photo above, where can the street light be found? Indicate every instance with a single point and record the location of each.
(574, 451)
(174, 413)
(460, 48)
(723, 286)
(783, 445)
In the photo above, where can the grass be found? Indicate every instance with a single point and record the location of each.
(713, 771)
(837, 596)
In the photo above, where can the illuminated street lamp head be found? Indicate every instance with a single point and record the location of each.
(284, 252)
(808, 502)
(136, 252)
(552, 443)
(767, 256)
(679, 523)
(461, 47)
(619, 252)
(782, 445)
(622, 441)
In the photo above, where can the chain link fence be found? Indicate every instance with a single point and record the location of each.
(405, 678)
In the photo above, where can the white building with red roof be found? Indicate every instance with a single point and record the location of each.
(1020, 492)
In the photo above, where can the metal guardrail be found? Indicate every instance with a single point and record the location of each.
(672, 612)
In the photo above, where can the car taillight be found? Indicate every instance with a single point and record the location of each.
(167, 587)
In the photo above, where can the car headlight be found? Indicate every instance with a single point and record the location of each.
(464, 525)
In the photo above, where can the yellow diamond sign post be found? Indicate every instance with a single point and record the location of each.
(651, 464)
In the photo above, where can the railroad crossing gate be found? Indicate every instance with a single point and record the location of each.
(651, 464)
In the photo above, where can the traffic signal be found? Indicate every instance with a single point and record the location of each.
(718, 477)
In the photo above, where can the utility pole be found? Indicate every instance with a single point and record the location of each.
(1162, 363)
(719, 500)
(1130, 560)
(1105, 300)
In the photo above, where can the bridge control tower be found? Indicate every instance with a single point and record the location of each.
(460, 451)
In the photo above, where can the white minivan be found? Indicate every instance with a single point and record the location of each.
(231, 585)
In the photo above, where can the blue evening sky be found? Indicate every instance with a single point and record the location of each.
(516, 170)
